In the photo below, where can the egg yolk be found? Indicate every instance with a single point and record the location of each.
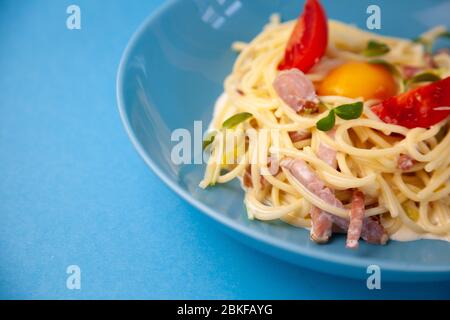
(359, 80)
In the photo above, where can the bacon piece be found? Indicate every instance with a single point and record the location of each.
(322, 222)
(274, 165)
(327, 154)
(405, 162)
(322, 225)
(356, 220)
(296, 90)
(319, 217)
(303, 173)
(371, 230)
(299, 135)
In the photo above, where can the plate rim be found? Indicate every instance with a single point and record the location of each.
(430, 272)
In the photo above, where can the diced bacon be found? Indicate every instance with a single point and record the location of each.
(274, 165)
(369, 229)
(296, 90)
(327, 154)
(356, 220)
(373, 231)
(321, 221)
(299, 135)
(322, 224)
(405, 162)
(303, 173)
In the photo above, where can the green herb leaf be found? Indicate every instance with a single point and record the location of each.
(350, 111)
(232, 122)
(424, 77)
(389, 66)
(445, 34)
(375, 48)
(209, 140)
(327, 123)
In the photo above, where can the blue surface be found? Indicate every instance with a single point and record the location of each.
(74, 192)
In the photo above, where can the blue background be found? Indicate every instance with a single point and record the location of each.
(74, 192)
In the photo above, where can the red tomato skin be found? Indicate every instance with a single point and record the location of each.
(416, 108)
(309, 40)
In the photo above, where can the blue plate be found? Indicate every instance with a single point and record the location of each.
(170, 76)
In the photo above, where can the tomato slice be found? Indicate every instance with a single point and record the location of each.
(309, 39)
(418, 108)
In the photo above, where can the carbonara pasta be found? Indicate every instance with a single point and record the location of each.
(396, 179)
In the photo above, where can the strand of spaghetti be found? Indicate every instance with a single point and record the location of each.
(427, 224)
(218, 158)
(411, 192)
(275, 182)
(416, 135)
(342, 163)
(394, 207)
(439, 177)
(371, 153)
(296, 221)
(392, 225)
(367, 152)
(316, 201)
(264, 212)
(330, 175)
(442, 161)
(377, 139)
(213, 163)
(301, 121)
(297, 218)
(275, 196)
(254, 168)
(238, 170)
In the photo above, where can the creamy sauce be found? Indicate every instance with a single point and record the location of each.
(406, 234)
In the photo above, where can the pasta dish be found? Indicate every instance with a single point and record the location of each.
(337, 130)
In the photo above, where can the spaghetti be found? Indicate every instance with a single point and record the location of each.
(410, 197)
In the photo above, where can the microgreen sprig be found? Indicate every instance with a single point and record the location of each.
(347, 112)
